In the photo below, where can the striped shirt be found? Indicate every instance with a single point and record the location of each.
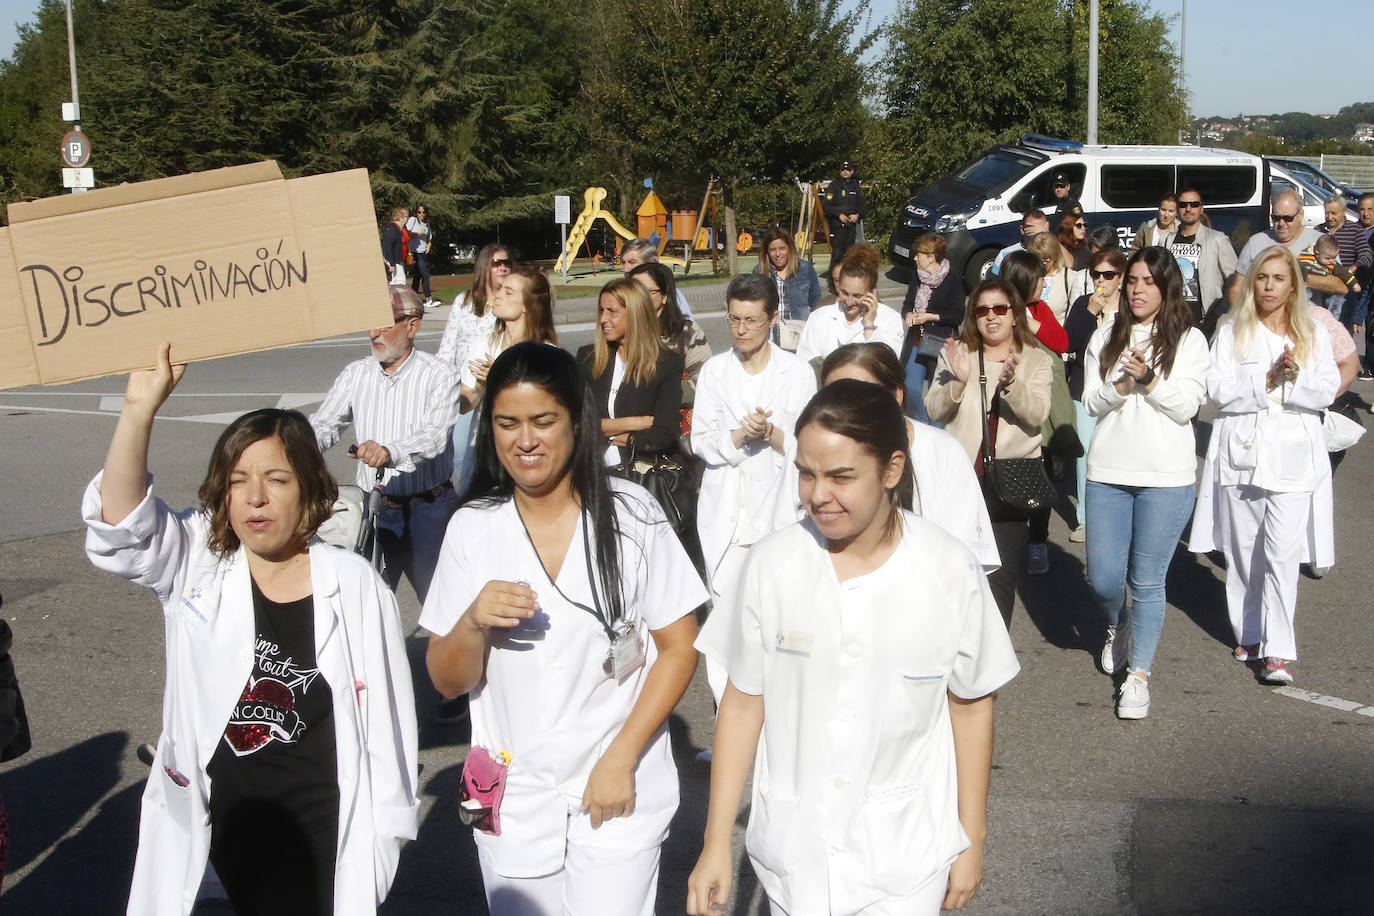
(1350, 237)
(409, 412)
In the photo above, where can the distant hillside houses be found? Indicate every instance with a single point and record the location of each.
(1364, 133)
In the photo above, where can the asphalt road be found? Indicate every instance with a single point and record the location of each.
(1232, 797)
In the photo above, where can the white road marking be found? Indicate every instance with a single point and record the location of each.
(111, 404)
(1319, 699)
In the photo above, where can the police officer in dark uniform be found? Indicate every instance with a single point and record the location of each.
(1065, 197)
(843, 202)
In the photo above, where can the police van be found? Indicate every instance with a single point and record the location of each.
(978, 208)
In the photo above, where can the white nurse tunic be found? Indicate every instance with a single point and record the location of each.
(855, 796)
(545, 697)
(948, 493)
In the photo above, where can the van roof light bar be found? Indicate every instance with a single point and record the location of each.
(1040, 141)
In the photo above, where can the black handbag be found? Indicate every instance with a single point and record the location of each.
(1019, 485)
(667, 478)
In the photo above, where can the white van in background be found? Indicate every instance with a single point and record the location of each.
(978, 208)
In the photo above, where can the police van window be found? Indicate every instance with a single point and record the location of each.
(995, 172)
(1221, 184)
(1134, 186)
(1042, 188)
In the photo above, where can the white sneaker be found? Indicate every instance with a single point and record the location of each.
(1079, 534)
(1113, 651)
(1134, 700)
(1037, 559)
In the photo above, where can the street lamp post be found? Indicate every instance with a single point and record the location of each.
(1092, 72)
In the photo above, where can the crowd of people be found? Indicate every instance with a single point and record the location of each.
(830, 450)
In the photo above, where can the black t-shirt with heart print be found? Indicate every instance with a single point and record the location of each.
(274, 797)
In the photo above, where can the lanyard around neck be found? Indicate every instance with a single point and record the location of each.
(597, 612)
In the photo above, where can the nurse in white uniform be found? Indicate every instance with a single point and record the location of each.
(747, 403)
(873, 699)
(857, 315)
(562, 603)
(945, 489)
(1272, 374)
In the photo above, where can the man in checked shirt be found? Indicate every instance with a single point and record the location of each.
(402, 402)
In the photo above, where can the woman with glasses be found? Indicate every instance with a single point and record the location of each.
(1144, 378)
(421, 237)
(1267, 467)
(637, 383)
(563, 604)
(1073, 235)
(676, 332)
(1086, 316)
(469, 325)
(799, 289)
(996, 346)
(933, 308)
(747, 403)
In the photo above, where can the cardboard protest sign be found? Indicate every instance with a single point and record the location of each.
(219, 262)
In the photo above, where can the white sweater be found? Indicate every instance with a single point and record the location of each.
(1146, 440)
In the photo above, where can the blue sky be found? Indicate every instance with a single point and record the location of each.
(1233, 67)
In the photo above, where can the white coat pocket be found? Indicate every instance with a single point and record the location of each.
(914, 704)
(900, 834)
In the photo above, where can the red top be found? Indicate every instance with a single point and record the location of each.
(1051, 333)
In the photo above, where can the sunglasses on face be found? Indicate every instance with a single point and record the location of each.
(1080, 225)
(1104, 274)
(1283, 217)
(500, 262)
(981, 311)
(1189, 204)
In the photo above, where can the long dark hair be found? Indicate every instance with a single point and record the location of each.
(671, 321)
(1021, 334)
(876, 359)
(480, 293)
(317, 486)
(556, 372)
(1171, 323)
(868, 414)
(1025, 273)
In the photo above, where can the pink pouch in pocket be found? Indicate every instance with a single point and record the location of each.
(483, 786)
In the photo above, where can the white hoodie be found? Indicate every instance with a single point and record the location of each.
(1145, 440)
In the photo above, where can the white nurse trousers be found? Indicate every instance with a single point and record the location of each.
(606, 882)
(1262, 537)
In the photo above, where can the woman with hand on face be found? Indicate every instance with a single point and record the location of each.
(1144, 380)
(288, 749)
(1264, 496)
(857, 315)
(637, 383)
(1088, 314)
(563, 603)
(945, 488)
(997, 353)
(799, 289)
(747, 403)
(469, 325)
(933, 309)
(873, 700)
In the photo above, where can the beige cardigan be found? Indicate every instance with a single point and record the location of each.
(1025, 404)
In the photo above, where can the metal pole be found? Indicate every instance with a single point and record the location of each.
(563, 234)
(71, 64)
(1183, 69)
(1092, 72)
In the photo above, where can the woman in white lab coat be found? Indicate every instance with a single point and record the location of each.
(873, 698)
(945, 490)
(288, 747)
(857, 315)
(1272, 374)
(562, 603)
(747, 402)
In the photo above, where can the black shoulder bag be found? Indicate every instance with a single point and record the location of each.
(667, 478)
(1019, 485)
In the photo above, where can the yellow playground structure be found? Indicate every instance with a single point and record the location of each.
(592, 211)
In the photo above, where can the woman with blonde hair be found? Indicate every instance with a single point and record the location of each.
(1266, 485)
(1063, 284)
(799, 289)
(469, 324)
(637, 383)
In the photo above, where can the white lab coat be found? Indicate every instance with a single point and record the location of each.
(855, 790)
(207, 608)
(827, 330)
(787, 384)
(1273, 443)
(544, 696)
(948, 493)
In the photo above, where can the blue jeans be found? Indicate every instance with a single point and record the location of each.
(421, 275)
(1132, 534)
(411, 537)
(915, 389)
(1085, 425)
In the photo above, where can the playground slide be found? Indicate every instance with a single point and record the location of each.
(592, 211)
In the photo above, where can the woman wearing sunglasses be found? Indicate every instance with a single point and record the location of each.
(563, 603)
(1086, 315)
(421, 238)
(1073, 235)
(996, 345)
(1144, 378)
